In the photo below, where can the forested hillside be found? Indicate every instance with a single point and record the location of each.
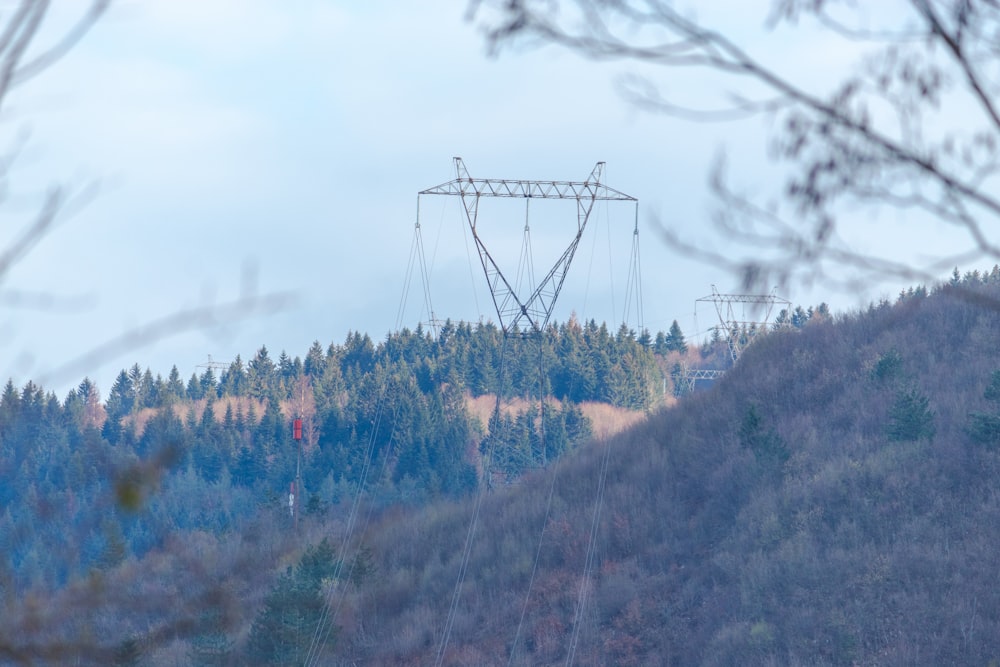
(168, 471)
(826, 502)
(832, 501)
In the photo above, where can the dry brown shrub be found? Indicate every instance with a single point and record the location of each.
(482, 407)
(237, 403)
(181, 409)
(608, 420)
(140, 419)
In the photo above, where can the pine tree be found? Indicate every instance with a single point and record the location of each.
(129, 653)
(194, 389)
(283, 631)
(208, 383)
(910, 418)
(984, 427)
(767, 446)
(233, 381)
(315, 362)
(139, 388)
(121, 401)
(211, 647)
(674, 341)
(799, 317)
(660, 345)
(174, 389)
(261, 374)
(10, 407)
(149, 397)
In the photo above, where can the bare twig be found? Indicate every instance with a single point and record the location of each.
(838, 149)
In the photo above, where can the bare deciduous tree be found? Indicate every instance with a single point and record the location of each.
(914, 126)
(80, 623)
(25, 53)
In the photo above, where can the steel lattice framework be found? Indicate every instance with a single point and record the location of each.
(535, 308)
(740, 332)
(692, 375)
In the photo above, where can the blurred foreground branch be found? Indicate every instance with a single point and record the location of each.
(910, 132)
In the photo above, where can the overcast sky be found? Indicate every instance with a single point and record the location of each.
(289, 140)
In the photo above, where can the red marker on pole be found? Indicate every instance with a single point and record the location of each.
(297, 436)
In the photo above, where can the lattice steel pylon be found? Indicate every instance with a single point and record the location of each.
(535, 308)
(740, 331)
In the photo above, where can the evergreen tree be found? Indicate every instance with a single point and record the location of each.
(10, 407)
(233, 381)
(93, 411)
(121, 399)
(910, 418)
(767, 446)
(290, 369)
(248, 468)
(674, 341)
(129, 653)
(139, 388)
(984, 427)
(208, 383)
(315, 362)
(359, 353)
(888, 367)
(283, 631)
(799, 317)
(146, 396)
(261, 374)
(211, 647)
(207, 453)
(992, 392)
(660, 345)
(194, 389)
(174, 389)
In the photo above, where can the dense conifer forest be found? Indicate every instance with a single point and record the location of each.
(829, 501)
(95, 487)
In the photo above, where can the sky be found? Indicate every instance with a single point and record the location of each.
(241, 147)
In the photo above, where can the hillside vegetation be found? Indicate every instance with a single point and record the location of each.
(832, 501)
(103, 501)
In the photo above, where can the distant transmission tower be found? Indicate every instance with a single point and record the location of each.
(737, 326)
(217, 367)
(739, 332)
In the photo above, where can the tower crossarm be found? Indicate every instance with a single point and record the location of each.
(592, 188)
(745, 298)
(531, 310)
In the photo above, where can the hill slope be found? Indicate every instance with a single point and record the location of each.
(831, 501)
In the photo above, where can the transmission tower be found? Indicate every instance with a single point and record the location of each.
(532, 307)
(521, 304)
(738, 329)
(217, 367)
